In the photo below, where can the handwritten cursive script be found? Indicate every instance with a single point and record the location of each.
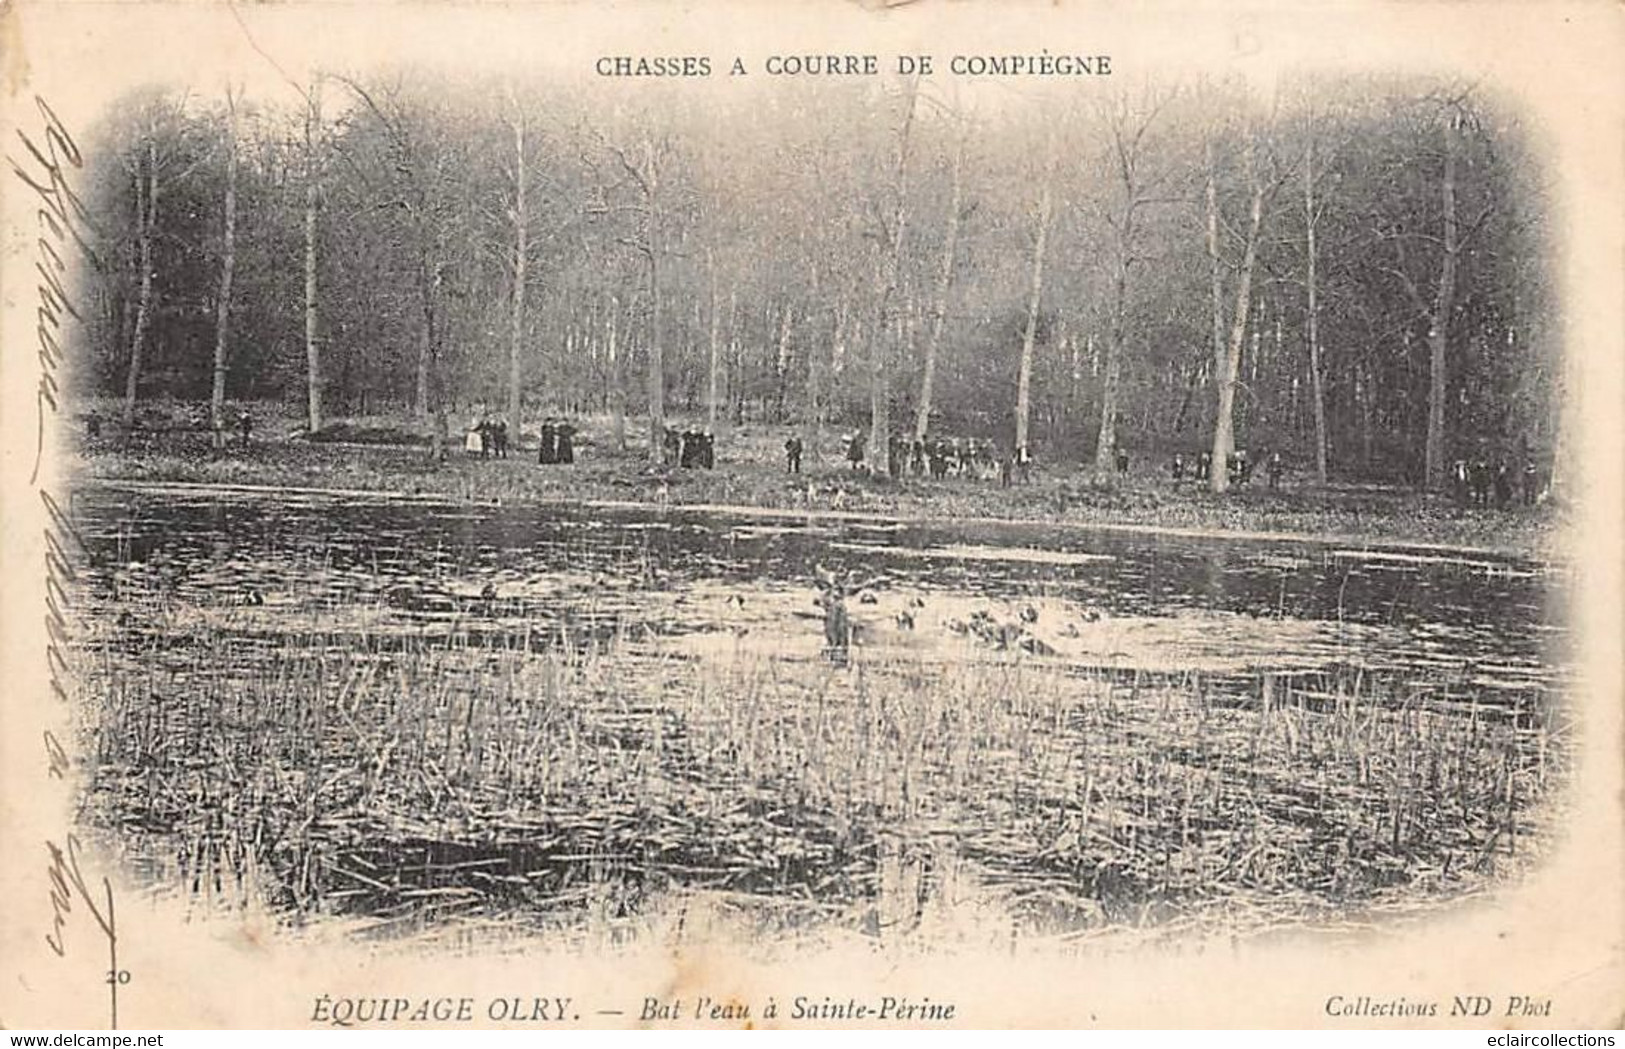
(59, 534)
(45, 167)
(62, 218)
(67, 888)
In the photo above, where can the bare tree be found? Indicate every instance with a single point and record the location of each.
(1025, 373)
(617, 378)
(1439, 317)
(1437, 311)
(649, 180)
(1215, 263)
(1317, 382)
(228, 260)
(146, 207)
(887, 264)
(1228, 362)
(422, 148)
(313, 353)
(713, 371)
(521, 253)
(646, 177)
(945, 276)
(162, 144)
(1128, 129)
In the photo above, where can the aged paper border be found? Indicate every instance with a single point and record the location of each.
(1560, 935)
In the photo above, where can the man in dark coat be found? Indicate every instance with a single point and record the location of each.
(564, 436)
(792, 455)
(1503, 486)
(1479, 478)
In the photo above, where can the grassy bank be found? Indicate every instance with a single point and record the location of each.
(750, 473)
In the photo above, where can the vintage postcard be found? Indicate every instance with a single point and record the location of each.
(563, 515)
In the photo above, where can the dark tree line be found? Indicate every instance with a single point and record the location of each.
(1356, 274)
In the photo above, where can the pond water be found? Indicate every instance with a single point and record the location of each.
(198, 606)
(1160, 601)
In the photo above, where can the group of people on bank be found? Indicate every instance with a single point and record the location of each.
(939, 458)
(690, 449)
(1238, 465)
(934, 457)
(488, 438)
(1476, 482)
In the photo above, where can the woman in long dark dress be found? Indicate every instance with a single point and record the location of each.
(549, 452)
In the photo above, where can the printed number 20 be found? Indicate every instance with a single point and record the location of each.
(118, 976)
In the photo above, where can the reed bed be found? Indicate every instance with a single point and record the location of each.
(596, 787)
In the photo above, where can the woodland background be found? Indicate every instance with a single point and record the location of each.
(1354, 273)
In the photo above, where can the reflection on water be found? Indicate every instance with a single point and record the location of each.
(565, 711)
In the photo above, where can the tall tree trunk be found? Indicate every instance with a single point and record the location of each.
(1316, 377)
(313, 357)
(886, 287)
(1191, 379)
(1110, 370)
(1439, 322)
(657, 366)
(1224, 440)
(521, 255)
(879, 450)
(782, 360)
(228, 260)
(736, 363)
(1024, 376)
(1215, 264)
(437, 446)
(147, 221)
(813, 437)
(1106, 437)
(657, 361)
(617, 381)
(939, 309)
(420, 392)
(713, 371)
(1362, 393)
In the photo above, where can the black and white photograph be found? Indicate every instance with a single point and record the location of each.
(750, 516)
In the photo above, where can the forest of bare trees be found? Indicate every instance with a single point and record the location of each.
(1354, 274)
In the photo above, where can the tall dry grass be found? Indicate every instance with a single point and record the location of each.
(587, 786)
